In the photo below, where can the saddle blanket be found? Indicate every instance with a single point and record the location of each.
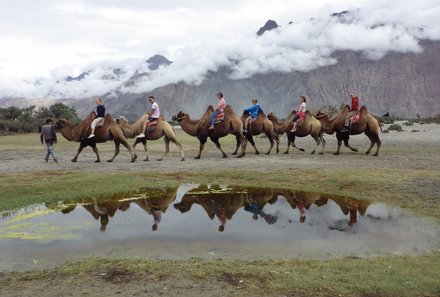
(219, 118)
(100, 123)
(355, 118)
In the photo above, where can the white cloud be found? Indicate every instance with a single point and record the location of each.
(45, 41)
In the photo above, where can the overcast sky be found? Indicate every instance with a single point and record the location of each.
(44, 41)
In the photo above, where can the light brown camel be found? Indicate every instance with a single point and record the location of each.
(311, 126)
(162, 129)
(367, 124)
(79, 133)
(260, 125)
(231, 124)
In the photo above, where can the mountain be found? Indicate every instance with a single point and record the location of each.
(403, 84)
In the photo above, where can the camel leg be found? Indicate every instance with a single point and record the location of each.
(378, 144)
(321, 136)
(167, 148)
(318, 142)
(289, 142)
(95, 149)
(81, 147)
(243, 143)
(179, 146)
(217, 144)
(374, 139)
(128, 147)
(250, 138)
(202, 141)
(270, 137)
(353, 149)
(237, 144)
(138, 140)
(277, 140)
(339, 138)
(117, 143)
(145, 149)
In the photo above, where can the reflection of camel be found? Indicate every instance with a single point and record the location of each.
(367, 124)
(217, 202)
(162, 129)
(256, 199)
(105, 209)
(231, 124)
(260, 125)
(311, 126)
(109, 132)
(156, 203)
(348, 206)
(299, 200)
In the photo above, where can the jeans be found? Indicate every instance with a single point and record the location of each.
(49, 143)
(213, 115)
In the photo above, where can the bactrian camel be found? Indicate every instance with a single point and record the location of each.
(79, 133)
(231, 124)
(162, 129)
(260, 125)
(311, 126)
(367, 124)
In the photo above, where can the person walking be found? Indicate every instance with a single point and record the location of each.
(49, 137)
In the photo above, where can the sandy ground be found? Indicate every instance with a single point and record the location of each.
(417, 147)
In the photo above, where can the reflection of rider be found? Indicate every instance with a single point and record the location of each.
(157, 203)
(256, 211)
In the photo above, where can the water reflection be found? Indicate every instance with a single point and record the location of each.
(254, 223)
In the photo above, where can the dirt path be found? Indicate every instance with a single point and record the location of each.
(406, 150)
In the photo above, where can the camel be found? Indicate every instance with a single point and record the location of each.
(162, 129)
(260, 125)
(79, 133)
(367, 124)
(310, 126)
(231, 124)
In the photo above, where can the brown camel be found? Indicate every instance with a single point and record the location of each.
(79, 133)
(231, 124)
(311, 126)
(259, 125)
(162, 129)
(367, 124)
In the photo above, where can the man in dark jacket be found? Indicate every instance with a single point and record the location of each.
(49, 136)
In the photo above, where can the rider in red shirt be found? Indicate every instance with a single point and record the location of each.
(354, 109)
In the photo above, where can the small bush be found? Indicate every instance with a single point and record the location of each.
(409, 123)
(386, 131)
(395, 127)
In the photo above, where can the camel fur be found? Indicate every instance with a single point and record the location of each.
(231, 124)
(162, 129)
(310, 126)
(79, 133)
(260, 125)
(367, 124)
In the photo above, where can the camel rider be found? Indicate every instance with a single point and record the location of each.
(220, 108)
(253, 111)
(153, 115)
(301, 112)
(100, 114)
(353, 111)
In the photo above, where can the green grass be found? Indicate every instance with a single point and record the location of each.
(381, 276)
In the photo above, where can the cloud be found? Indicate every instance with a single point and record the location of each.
(46, 43)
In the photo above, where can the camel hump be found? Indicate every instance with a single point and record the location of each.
(228, 109)
(108, 118)
(363, 109)
(210, 108)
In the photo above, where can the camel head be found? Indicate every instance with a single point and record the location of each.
(179, 116)
(122, 121)
(182, 207)
(320, 114)
(61, 123)
(272, 117)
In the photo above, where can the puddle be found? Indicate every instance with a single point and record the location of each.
(210, 221)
